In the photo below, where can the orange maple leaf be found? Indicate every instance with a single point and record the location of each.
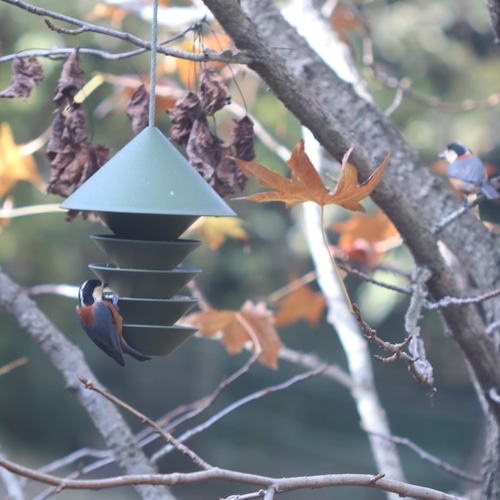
(233, 327)
(302, 303)
(215, 230)
(305, 184)
(366, 237)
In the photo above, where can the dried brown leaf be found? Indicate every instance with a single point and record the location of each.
(25, 73)
(138, 109)
(66, 169)
(242, 139)
(75, 126)
(71, 80)
(213, 91)
(186, 110)
(56, 144)
(72, 159)
(203, 149)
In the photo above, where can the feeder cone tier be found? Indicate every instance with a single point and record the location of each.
(148, 195)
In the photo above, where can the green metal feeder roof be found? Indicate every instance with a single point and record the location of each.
(148, 176)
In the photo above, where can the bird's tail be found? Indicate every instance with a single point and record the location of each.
(490, 192)
(134, 353)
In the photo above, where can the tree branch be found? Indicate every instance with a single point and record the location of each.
(207, 55)
(280, 485)
(494, 10)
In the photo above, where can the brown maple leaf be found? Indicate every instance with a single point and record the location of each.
(25, 73)
(306, 184)
(138, 109)
(233, 327)
(301, 303)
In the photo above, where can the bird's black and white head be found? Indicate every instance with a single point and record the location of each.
(454, 151)
(90, 292)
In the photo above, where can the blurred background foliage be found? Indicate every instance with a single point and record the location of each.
(445, 50)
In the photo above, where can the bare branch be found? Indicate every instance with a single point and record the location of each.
(448, 301)
(240, 57)
(416, 346)
(494, 9)
(446, 221)
(196, 459)
(279, 484)
(12, 483)
(396, 350)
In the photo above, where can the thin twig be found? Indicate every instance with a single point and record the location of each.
(395, 349)
(12, 365)
(175, 443)
(360, 274)
(425, 455)
(448, 301)
(188, 412)
(446, 221)
(237, 404)
(12, 213)
(291, 287)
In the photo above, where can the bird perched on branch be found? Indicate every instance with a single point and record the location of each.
(467, 172)
(98, 314)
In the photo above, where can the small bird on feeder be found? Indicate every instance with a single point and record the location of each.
(98, 314)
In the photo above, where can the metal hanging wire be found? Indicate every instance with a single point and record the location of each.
(154, 43)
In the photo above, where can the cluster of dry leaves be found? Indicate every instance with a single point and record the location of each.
(73, 159)
(213, 158)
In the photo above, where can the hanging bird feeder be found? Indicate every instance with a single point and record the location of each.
(148, 195)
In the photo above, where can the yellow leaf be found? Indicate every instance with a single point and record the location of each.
(215, 230)
(14, 166)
